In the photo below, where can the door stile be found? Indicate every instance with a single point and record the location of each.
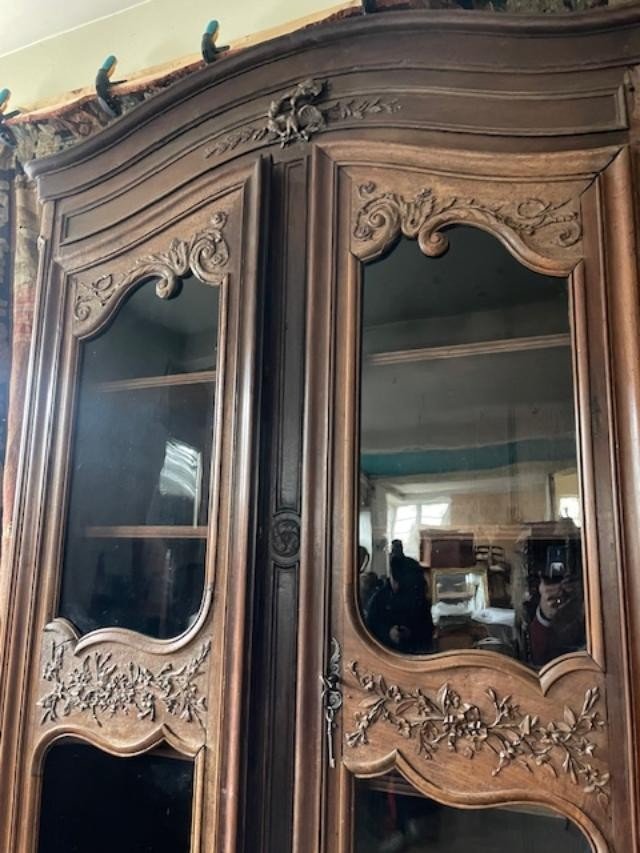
(18, 641)
(227, 770)
(315, 537)
(620, 268)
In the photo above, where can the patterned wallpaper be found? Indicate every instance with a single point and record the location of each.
(5, 308)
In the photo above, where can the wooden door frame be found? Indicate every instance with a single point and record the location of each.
(236, 201)
(604, 274)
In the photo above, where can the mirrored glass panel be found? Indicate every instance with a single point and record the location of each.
(391, 817)
(92, 801)
(470, 513)
(140, 471)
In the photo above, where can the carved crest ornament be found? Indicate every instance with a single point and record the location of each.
(206, 256)
(299, 114)
(514, 736)
(384, 215)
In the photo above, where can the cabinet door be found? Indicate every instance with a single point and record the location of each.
(135, 537)
(463, 520)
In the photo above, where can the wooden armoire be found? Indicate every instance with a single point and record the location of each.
(328, 525)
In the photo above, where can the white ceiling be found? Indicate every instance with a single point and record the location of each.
(27, 21)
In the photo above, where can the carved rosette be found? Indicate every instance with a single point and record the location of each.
(285, 537)
(445, 721)
(530, 223)
(206, 256)
(114, 687)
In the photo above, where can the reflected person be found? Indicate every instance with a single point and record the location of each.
(557, 626)
(399, 613)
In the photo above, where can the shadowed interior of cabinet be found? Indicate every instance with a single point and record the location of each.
(139, 498)
(97, 802)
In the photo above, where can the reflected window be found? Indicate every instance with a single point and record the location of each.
(434, 513)
(569, 507)
(468, 454)
(92, 801)
(391, 817)
(138, 509)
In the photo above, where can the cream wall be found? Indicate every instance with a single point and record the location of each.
(150, 34)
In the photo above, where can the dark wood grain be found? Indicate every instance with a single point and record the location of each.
(485, 112)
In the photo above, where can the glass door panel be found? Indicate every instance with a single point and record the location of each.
(138, 509)
(92, 801)
(470, 512)
(392, 817)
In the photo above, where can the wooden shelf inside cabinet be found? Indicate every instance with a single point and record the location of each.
(506, 345)
(147, 531)
(140, 383)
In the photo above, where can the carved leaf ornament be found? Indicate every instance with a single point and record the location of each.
(385, 215)
(514, 736)
(205, 255)
(102, 688)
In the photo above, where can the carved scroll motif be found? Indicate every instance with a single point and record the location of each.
(298, 115)
(101, 688)
(446, 721)
(206, 256)
(382, 216)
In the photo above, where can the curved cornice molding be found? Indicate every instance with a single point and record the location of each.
(595, 29)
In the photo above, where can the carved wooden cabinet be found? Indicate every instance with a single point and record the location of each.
(327, 533)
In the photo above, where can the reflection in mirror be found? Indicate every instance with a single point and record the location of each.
(92, 801)
(470, 512)
(138, 509)
(391, 817)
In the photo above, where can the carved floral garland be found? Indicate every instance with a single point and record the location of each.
(100, 687)
(560, 746)
(205, 255)
(386, 214)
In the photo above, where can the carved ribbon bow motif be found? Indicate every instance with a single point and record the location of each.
(294, 116)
